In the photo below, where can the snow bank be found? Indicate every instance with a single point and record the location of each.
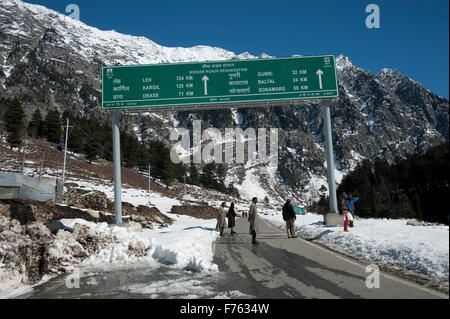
(186, 244)
(29, 252)
(115, 245)
(386, 242)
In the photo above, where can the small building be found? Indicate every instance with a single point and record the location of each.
(14, 185)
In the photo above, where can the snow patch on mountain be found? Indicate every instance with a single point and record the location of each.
(112, 47)
(251, 186)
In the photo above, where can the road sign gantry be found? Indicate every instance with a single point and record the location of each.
(215, 85)
(209, 84)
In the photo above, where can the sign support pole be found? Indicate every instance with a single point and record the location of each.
(116, 116)
(330, 156)
(65, 152)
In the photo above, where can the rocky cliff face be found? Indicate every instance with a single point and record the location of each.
(50, 61)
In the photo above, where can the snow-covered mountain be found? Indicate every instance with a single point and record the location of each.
(49, 60)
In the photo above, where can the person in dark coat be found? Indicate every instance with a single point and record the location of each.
(231, 218)
(253, 219)
(289, 217)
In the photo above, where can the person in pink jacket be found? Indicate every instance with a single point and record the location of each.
(348, 206)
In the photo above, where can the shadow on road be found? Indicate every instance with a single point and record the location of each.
(319, 236)
(201, 227)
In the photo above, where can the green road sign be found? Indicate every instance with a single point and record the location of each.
(214, 84)
(300, 210)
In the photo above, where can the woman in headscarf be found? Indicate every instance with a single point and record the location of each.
(231, 218)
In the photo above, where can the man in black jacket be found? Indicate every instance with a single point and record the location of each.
(289, 217)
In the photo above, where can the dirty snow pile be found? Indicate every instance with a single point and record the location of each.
(186, 244)
(30, 253)
(386, 242)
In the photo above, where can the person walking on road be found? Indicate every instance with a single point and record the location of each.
(289, 217)
(231, 218)
(253, 219)
(221, 219)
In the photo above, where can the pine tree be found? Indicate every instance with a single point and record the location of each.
(207, 177)
(130, 150)
(14, 139)
(194, 178)
(75, 141)
(221, 172)
(35, 124)
(231, 190)
(42, 129)
(53, 126)
(415, 187)
(161, 163)
(107, 147)
(13, 120)
(91, 149)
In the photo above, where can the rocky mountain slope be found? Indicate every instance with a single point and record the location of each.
(48, 61)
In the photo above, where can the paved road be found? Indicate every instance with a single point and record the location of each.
(138, 282)
(277, 268)
(294, 268)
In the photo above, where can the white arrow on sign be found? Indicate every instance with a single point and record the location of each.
(205, 80)
(320, 73)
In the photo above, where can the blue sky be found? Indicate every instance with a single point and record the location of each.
(413, 37)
